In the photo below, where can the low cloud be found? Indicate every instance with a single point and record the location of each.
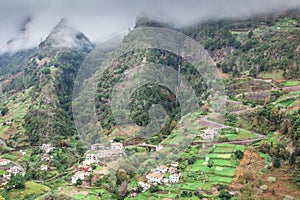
(29, 22)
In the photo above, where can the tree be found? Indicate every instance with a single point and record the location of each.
(210, 163)
(139, 189)
(16, 182)
(191, 160)
(239, 154)
(98, 182)
(224, 195)
(184, 193)
(4, 111)
(78, 182)
(153, 188)
(276, 162)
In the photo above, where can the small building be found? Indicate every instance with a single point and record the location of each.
(174, 178)
(97, 146)
(144, 185)
(47, 148)
(22, 152)
(133, 194)
(154, 177)
(116, 146)
(45, 157)
(172, 170)
(174, 164)
(44, 167)
(91, 156)
(165, 180)
(158, 148)
(14, 170)
(163, 168)
(76, 176)
(4, 162)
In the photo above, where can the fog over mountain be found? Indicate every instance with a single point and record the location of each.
(25, 24)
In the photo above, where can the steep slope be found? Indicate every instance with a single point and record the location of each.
(46, 78)
(65, 35)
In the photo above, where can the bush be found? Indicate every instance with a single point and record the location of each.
(239, 154)
(4, 111)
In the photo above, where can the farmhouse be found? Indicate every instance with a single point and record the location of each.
(97, 146)
(45, 157)
(144, 185)
(163, 168)
(44, 167)
(116, 146)
(154, 177)
(172, 170)
(174, 164)
(174, 178)
(76, 176)
(47, 148)
(115, 149)
(14, 170)
(92, 157)
(4, 162)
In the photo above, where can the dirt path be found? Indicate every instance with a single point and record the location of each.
(250, 168)
(245, 110)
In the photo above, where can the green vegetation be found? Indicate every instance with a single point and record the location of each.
(31, 189)
(274, 75)
(291, 83)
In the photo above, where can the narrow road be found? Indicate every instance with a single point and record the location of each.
(217, 125)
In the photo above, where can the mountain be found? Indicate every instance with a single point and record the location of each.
(65, 35)
(255, 152)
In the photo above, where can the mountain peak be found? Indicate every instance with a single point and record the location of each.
(64, 35)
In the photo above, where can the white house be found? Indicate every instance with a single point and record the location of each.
(97, 146)
(116, 146)
(174, 164)
(91, 156)
(44, 167)
(14, 170)
(45, 157)
(163, 168)
(174, 178)
(76, 176)
(154, 177)
(144, 185)
(22, 152)
(165, 180)
(158, 148)
(4, 162)
(172, 170)
(47, 148)
(206, 159)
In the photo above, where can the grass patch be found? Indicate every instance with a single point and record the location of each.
(245, 134)
(225, 171)
(274, 75)
(219, 156)
(295, 92)
(215, 179)
(291, 83)
(194, 185)
(286, 102)
(31, 188)
(224, 163)
(239, 147)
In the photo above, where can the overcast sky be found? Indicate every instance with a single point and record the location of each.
(100, 19)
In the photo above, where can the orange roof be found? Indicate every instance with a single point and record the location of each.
(163, 166)
(155, 175)
(3, 160)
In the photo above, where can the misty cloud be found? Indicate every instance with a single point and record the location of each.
(27, 23)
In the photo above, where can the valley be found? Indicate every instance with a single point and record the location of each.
(250, 150)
